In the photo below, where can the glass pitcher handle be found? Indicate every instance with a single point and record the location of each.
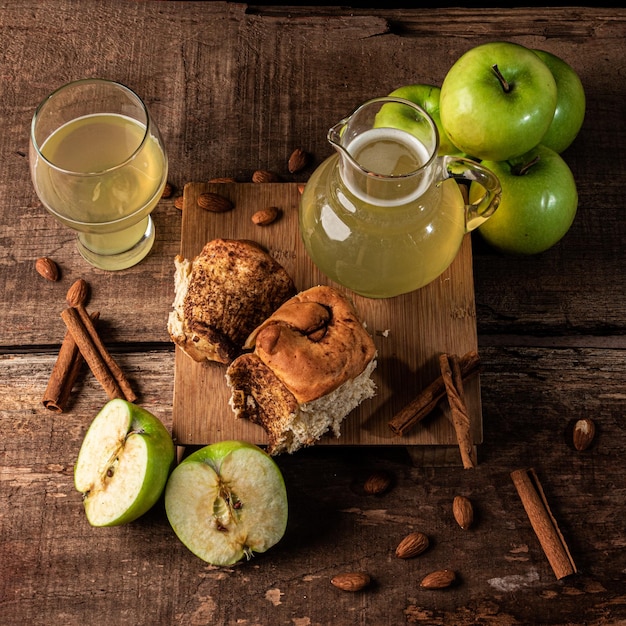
(466, 170)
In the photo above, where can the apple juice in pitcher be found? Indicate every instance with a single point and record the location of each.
(384, 215)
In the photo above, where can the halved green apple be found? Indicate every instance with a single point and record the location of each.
(123, 464)
(226, 501)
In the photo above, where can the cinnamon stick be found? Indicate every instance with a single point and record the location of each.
(64, 373)
(453, 382)
(115, 369)
(95, 354)
(543, 522)
(428, 399)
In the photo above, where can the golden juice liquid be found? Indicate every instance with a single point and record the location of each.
(106, 181)
(381, 238)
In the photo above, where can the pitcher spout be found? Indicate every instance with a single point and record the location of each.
(387, 148)
(338, 139)
(336, 132)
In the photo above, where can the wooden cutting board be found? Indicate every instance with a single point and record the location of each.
(409, 331)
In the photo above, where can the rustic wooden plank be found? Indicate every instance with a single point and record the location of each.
(409, 331)
(194, 73)
(61, 570)
(237, 87)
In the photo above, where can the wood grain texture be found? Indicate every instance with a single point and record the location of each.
(409, 331)
(55, 567)
(235, 88)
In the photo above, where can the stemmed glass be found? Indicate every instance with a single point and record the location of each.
(99, 166)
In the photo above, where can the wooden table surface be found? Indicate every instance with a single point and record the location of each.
(235, 88)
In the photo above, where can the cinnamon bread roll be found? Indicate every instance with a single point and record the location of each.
(222, 295)
(311, 366)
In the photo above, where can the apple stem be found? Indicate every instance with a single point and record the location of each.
(522, 169)
(503, 81)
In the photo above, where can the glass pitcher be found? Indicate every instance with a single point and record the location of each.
(384, 215)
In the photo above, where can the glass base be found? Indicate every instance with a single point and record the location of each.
(120, 260)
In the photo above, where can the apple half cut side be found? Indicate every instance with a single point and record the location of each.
(227, 501)
(123, 464)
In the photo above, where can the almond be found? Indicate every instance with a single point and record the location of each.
(298, 160)
(265, 176)
(584, 433)
(168, 190)
(78, 293)
(351, 581)
(377, 482)
(463, 511)
(47, 268)
(214, 202)
(178, 203)
(412, 545)
(438, 580)
(264, 217)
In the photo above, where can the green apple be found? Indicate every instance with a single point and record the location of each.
(538, 204)
(497, 101)
(123, 464)
(226, 501)
(570, 103)
(427, 97)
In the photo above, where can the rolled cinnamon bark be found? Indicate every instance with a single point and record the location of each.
(427, 400)
(64, 373)
(115, 369)
(95, 354)
(543, 522)
(453, 382)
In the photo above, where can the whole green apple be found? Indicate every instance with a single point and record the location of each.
(570, 103)
(123, 464)
(538, 204)
(427, 97)
(497, 101)
(226, 501)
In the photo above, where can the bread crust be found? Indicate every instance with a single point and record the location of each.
(222, 295)
(314, 343)
(311, 366)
